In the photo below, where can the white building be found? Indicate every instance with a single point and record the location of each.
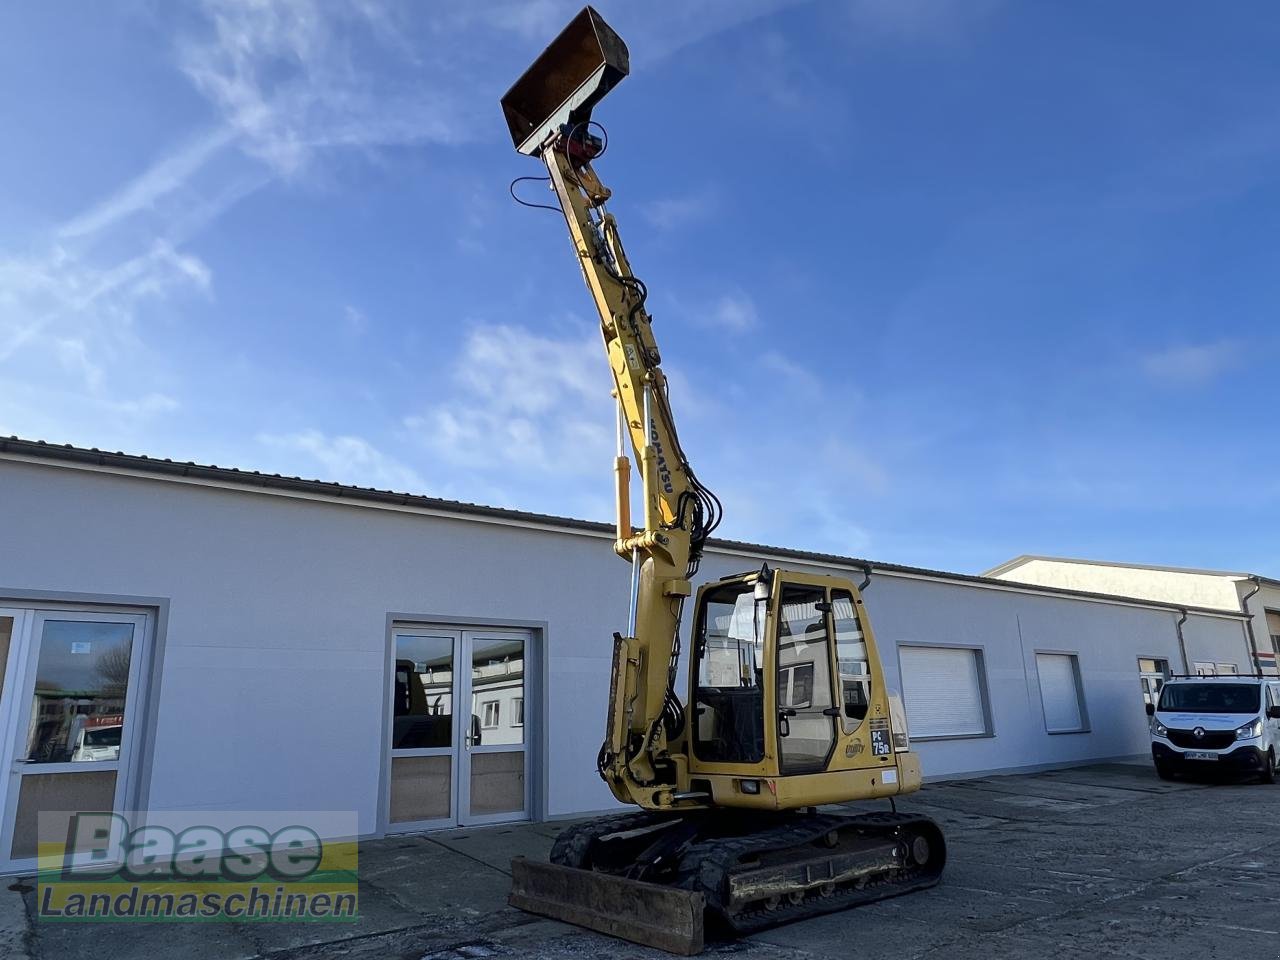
(184, 637)
(1255, 596)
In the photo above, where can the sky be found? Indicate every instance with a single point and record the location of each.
(936, 282)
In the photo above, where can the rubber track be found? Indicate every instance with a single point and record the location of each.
(705, 865)
(710, 862)
(573, 845)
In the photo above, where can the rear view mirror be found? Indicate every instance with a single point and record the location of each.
(1273, 713)
(1151, 709)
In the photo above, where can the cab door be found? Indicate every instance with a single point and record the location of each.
(807, 712)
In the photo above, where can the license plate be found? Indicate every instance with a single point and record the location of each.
(1199, 755)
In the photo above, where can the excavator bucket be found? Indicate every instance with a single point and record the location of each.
(663, 917)
(570, 77)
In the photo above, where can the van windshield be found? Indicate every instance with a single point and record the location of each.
(1211, 697)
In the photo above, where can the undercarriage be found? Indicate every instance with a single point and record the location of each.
(667, 881)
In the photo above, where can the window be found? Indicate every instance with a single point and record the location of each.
(1211, 697)
(1153, 672)
(517, 712)
(728, 709)
(1060, 690)
(1227, 669)
(422, 704)
(81, 679)
(795, 685)
(943, 692)
(1273, 627)
(1203, 669)
(490, 714)
(851, 651)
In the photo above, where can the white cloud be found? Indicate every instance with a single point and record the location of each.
(69, 335)
(354, 320)
(918, 20)
(524, 400)
(1192, 365)
(346, 459)
(51, 298)
(670, 213)
(296, 76)
(163, 177)
(735, 312)
(791, 372)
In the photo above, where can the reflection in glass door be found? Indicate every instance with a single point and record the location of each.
(71, 693)
(492, 774)
(423, 741)
(457, 728)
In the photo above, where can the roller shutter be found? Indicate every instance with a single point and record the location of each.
(1058, 692)
(943, 692)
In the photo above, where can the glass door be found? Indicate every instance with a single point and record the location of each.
(13, 629)
(72, 690)
(493, 760)
(424, 734)
(458, 753)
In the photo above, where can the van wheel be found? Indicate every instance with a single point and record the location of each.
(1269, 772)
(1164, 771)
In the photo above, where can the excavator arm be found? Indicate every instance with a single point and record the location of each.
(642, 759)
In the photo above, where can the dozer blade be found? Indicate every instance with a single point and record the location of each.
(662, 917)
(570, 77)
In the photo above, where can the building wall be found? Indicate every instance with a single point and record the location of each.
(1216, 641)
(1194, 589)
(1265, 629)
(273, 677)
(271, 597)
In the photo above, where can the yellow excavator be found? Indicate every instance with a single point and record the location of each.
(787, 707)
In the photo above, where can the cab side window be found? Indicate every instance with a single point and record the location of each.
(851, 652)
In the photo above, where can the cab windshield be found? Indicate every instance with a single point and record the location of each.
(1211, 697)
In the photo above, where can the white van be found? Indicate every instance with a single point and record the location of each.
(1223, 723)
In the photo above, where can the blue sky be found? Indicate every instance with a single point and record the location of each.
(936, 282)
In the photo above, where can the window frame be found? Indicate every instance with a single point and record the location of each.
(984, 694)
(1081, 702)
(484, 714)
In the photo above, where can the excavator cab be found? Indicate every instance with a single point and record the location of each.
(788, 704)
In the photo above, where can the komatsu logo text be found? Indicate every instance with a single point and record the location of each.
(664, 472)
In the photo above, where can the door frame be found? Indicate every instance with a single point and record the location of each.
(534, 633)
(15, 708)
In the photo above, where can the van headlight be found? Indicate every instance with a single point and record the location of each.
(1250, 730)
(1159, 729)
